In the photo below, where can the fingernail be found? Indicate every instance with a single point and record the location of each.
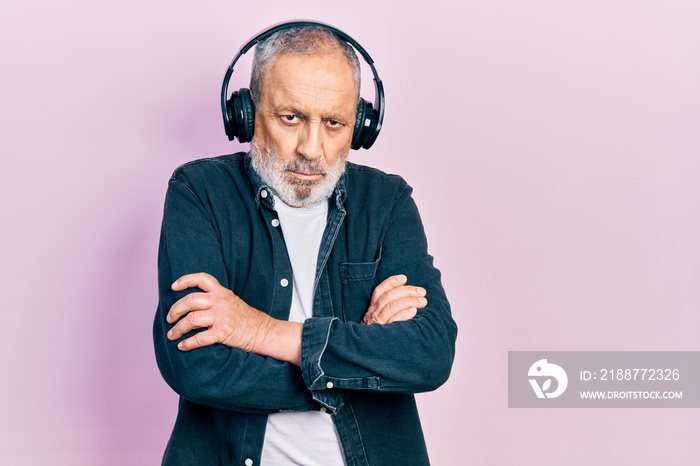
(167, 318)
(420, 291)
(180, 345)
(423, 301)
(174, 284)
(170, 334)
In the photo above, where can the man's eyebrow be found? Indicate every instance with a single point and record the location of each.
(289, 110)
(336, 117)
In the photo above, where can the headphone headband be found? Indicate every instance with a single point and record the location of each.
(238, 111)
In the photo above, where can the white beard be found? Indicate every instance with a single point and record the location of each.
(273, 172)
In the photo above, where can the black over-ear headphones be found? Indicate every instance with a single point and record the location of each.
(239, 111)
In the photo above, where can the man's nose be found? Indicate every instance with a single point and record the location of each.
(310, 144)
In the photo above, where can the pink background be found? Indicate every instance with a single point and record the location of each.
(554, 148)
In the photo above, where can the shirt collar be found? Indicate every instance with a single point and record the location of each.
(261, 191)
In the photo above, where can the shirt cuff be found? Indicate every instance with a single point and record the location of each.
(314, 339)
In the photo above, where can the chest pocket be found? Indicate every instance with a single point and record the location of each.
(358, 281)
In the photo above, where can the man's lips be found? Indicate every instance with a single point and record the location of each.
(306, 176)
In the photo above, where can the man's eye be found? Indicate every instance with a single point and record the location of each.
(290, 118)
(333, 123)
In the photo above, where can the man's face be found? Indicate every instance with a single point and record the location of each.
(304, 125)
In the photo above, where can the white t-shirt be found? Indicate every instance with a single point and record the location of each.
(302, 438)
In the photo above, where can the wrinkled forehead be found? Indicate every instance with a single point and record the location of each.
(312, 82)
(331, 55)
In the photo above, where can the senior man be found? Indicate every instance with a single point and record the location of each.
(299, 309)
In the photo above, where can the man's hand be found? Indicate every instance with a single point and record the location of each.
(392, 301)
(229, 321)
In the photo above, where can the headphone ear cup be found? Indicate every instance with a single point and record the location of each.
(241, 116)
(229, 123)
(365, 124)
(248, 121)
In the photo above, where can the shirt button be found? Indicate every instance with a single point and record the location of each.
(263, 194)
(248, 461)
(323, 409)
(329, 385)
(275, 222)
(284, 282)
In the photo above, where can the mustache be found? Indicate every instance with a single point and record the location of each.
(304, 165)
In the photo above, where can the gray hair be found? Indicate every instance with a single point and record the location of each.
(302, 40)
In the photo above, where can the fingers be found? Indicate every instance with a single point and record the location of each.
(398, 309)
(190, 311)
(225, 317)
(386, 285)
(191, 302)
(191, 321)
(201, 280)
(405, 294)
(199, 340)
(405, 314)
(392, 300)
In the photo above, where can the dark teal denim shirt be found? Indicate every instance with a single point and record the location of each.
(218, 219)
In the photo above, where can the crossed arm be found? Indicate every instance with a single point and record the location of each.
(258, 366)
(231, 321)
